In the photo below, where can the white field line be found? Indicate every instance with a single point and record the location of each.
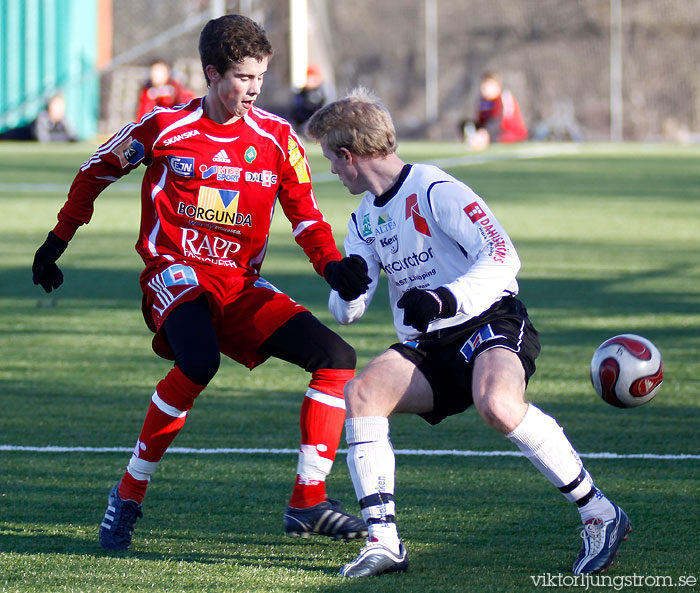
(60, 188)
(534, 151)
(413, 452)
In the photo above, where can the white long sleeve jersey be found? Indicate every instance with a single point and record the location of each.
(429, 230)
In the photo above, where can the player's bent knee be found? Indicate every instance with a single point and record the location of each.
(500, 412)
(193, 340)
(362, 400)
(200, 366)
(339, 354)
(306, 342)
(329, 351)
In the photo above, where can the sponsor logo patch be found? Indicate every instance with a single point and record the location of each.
(385, 224)
(265, 178)
(215, 205)
(221, 157)
(129, 152)
(480, 336)
(178, 137)
(417, 279)
(206, 248)
(499, 249)
(178, 274)
(181, 165)
(474, 212)
(415, 260)
(297, 161)
(222, 172)
(391, 242)
(413, 211)
(366, 226)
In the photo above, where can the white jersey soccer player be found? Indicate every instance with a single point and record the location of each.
(453, 240)
(466, 339)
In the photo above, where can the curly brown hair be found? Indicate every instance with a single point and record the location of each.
(229, 40)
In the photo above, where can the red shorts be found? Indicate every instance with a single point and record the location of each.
(245, 308)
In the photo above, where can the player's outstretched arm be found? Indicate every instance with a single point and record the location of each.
(44, 269)
(420, 307)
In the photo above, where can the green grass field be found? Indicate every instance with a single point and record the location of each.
(609, 238)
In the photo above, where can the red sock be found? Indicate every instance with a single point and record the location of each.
(166, 415)
(322, 418)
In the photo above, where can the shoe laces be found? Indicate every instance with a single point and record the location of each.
(372, 542)
(594, 531)
(127, 518)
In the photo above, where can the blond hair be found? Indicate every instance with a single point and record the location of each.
(358, 122)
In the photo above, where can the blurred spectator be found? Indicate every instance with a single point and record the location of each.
(498, 118)
(310, 98)
(50, 125)
(560, 126)
(161, 90)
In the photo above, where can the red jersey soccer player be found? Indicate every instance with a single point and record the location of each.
(214, 169)
(161, 90)
(499, 118)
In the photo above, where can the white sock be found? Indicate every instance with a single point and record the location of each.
(544, 443)
(141, 469)
(599, 507)
(372, 465)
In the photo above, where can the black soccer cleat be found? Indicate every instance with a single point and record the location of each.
(601, 539)
(325, 518)
(118, 523)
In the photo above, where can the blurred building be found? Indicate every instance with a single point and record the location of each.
(589, 69)
(49, 46)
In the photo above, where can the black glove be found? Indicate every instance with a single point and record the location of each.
(348, 276)
(420, 307)
(44, 269)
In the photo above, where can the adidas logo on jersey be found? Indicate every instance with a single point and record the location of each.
(221, 157)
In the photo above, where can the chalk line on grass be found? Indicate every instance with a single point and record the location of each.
(273, 451)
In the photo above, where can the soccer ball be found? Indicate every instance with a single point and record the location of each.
(627, 371)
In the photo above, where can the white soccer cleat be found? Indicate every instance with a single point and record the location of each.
(375, 559)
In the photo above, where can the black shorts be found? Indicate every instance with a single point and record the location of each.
(446, 357)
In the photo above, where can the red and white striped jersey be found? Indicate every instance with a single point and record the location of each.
(209, 190)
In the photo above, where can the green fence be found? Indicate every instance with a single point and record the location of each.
(48, 46)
